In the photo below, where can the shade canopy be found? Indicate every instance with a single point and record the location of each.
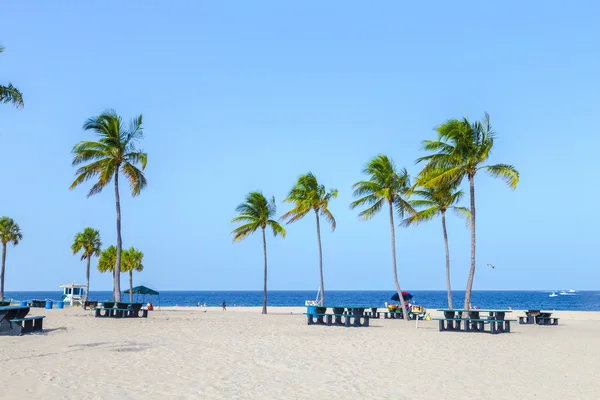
(406, 295)
(142, 290)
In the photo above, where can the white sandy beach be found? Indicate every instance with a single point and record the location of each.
(186, 353)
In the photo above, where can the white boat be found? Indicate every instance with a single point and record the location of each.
(571, 291)
(553, 294)
(73, 293)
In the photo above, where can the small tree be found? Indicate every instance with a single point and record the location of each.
(88, 241)
(9, 233)
(132, 261)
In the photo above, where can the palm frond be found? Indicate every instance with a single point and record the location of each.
(507, 173)
(136, 178)
(370, 212)
(421, 216)
(242, 231)
(329, 218)
(10, 94)
(276, 228)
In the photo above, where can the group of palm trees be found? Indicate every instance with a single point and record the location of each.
(113, 154)
(88, 242)
(459, 151)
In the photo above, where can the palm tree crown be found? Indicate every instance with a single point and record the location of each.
(256, 212)
(309, 195)
(88, 241)
(385, 184)
(10, 232)
(10, 94)
(433, 202)
(132, 260)
(459, 151)
(114, 152)
(108, 257)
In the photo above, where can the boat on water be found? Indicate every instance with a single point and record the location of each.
(73, 293)
(562, 292)
(571, 291)
(553, 294)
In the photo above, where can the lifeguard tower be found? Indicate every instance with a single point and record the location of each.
(73, 293)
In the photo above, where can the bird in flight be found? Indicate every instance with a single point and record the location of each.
(492, 265)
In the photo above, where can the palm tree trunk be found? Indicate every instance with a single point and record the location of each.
(447, 260)
(264, 309)
(393, 230)
(472, 271)
(321, 285)
(2, 274)
(131, 286)
(117, 275)
(87, 279)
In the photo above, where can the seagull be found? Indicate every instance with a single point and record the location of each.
(492, 265)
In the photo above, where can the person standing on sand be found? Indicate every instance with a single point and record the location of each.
(224, 306)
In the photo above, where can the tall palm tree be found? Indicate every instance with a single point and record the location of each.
(385, 184)
(10, 94)
(115, 152)
(256, 212)
(437, 201)
(460, 151)
(306, 195)
(132, 261)
(88, 241)
(9, 233)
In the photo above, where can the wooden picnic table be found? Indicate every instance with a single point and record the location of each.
(473, 322)
(14, 321)
(354, 316)
(538, 317)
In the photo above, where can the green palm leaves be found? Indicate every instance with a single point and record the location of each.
(257, 212)
(114, 152)
(459, 151)
(306, 195)
(10, 94)
(10, 232)
(385, 185)
(89, 243)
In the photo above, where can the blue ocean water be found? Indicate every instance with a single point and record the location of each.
(579, 301)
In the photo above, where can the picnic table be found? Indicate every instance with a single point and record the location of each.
(111, 309)
(538, 317)
(342, 315)
(14, 321)
(472, 320)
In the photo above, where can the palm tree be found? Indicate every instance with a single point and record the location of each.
(436, 201)
(107, 261)
(459, 151)
(115, 152)
(10, 94)
(88, 241)
(132, 261)
(9, 233)
(307, 194)
(256, 213)
(385, 184)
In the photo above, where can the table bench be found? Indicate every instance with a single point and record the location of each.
(121, 310)
(474, 325)
(13, 321)
(29, 324)
(538, 317)
(347, 320)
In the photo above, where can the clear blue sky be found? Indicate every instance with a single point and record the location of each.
(240, 96)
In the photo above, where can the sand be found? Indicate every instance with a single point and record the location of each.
(196, 353)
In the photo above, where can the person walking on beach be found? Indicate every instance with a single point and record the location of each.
(224, 306)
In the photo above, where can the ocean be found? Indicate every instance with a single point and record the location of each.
(579, 301)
